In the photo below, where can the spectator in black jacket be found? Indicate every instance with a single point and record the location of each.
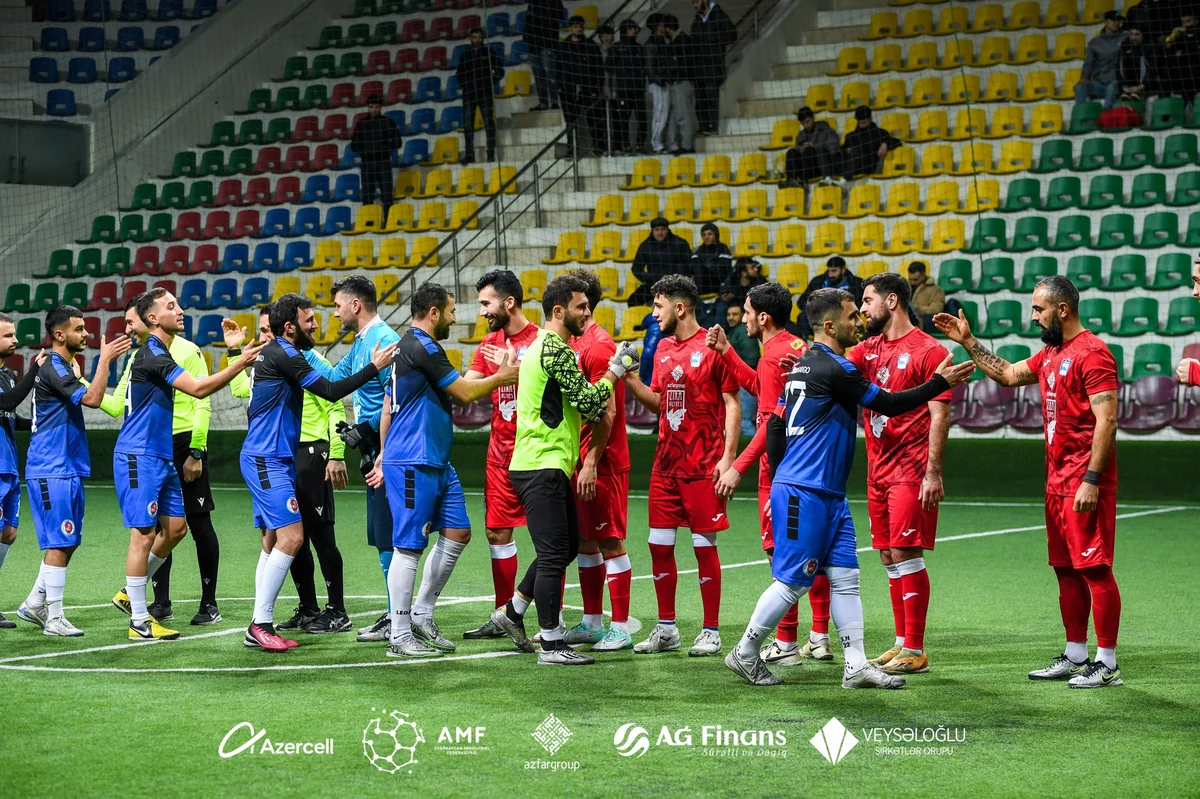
(580, 69)
(712, 262)
(816, 154)
(865, 146)
(658, 77)
(662, 254)
(747, 274)
(1154, 18)
(1181, 60)
(681, 129)
(835, 276)
(478, 70)
(607, 107)
(542, 21)
(626, 65)
(1135, 68)
(712, 33)
(375, 138)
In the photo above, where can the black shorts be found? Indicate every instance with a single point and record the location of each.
(197, 495)
(379, 519)
(313, 491)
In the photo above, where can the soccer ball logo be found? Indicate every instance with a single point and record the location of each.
(390, 741)
(152, 509)
(293, 505)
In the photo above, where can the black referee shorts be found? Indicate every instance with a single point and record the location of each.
(197, 495)
(313, 491)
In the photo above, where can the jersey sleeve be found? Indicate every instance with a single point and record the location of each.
(597, 357)
(477, 361)
(240, 386)
(1034, 362)
(933, 359)
(435, 366)
(1099, 371)
(298, 370)
(856, 355)
(655, 378)
(746, 377)
(559, 362)
(63, 383)
(726, 378)
(848, 382)
(164, 368)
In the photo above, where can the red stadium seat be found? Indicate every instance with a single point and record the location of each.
(342, 96)
(1150, 404)
(434, 58)
(270, 159)
(207, 258)
(371, 87)
(477, 414)
(990, 405)
(258, 190)
(176, 260)
(92, 325)
(216, 225)
(440, 28)
(131, 289)
(413, 30)
(958, 403)
(246, 224)
(115, 326)
(188, 227)
(229, 192)
(379, 62)
(287, 190)
(145, 262)
(1029, 418)
(407, 60)
(104, 297)
(398, 91)
(298, 159)
(16, 362)
(1188, 419)
(306, 129)
(327, 156)
(168, 285)
(465, 25)
(335, 127)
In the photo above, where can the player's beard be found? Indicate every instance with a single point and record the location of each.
(573, 323)
(876, 325)
(441, 331)
(847, 335)
(1053, 335)
(496, 321)
(667, 326)
(304, 340)
(8, 351)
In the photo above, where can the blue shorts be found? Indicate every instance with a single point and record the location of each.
(10, 501)
(147, 489)
(813, 530)
(423, 499)
(272, 483)
(57, 505)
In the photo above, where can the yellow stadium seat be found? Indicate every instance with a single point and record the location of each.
(941, 198)
(987, 18)
(1068, 47)
(918, 22)
(952, 20)
(983, 196)
(714, 206)
(885, 58)
(783, 134)
(1007, 121)
(590, 14)
(1038, 86)
(1015, 156)
(920, 56)
(503, 176)
(751, 168)
(425, 246)
(1047, 118)
(471, 180)
(1030, 48)
(897, 125)
(369, 219)
(455, 356)
(636, 237)
(384, 283)
(642, 208)
(890, 94)
(359, 255)
(963, 89)
(408, 183)
(824, 202)
(1094, 11)
(969, 123)
(819, 97)
(975, 158)
(1001, 87)
(868, 269)
(829, 238)
(630, 319)
(329, 254)
(854, 95)
(931, 126)
(884, 25)
(1067, 92)
(460, 212)
(899, 162)
(936, 160)
(287, 284)
(438, 183)
(681, 171)
(793, 276)
(1062, 12)
(606, 317)
(401, 216)
(850, 124)
(788, 203)
(993, 50)
(865, 238)
(518, 84)
(948, 235)
(851, 60)
(1024, 15)
(606, 246)
(392, 253)
(609, 210)
(481, 330)
(752, 242)
(533, 315)
(926, 91)
(445, 151)
(906, 237)
(902, 198)
(789, 240)
(610, 281)
(751, 204)
(432, 216)
(533, 281)
(681, 207)
(864, 201)
(333, 331)
(715, 170)
(572, 246)
(958, 53)
(646, 175)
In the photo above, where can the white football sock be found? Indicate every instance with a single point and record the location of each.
(1106, 656)
(771, 607)
(37, 595)
(1076, 651)
(258, 570)
(520, 604)
(153, 562)
(56, 581)
(402, 576)
(845, 607)
(818, 638)
(135, 587)
(274, 572)
(438, 567)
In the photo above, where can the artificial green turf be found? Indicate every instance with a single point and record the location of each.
(993, 617)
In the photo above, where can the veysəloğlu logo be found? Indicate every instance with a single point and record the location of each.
(390, 741)
(230, 748)
(834, 741)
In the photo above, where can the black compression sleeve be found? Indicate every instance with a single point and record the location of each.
(900, 402)
(776, 442)
(332, 391)
(9, 400)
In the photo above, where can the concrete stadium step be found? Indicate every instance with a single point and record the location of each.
(16, 14)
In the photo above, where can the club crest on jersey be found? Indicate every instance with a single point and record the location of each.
(293, 505)
(67, 527)
(152, 509)
(696, 358)
(508, 402)
(1063, 367)
(882, 375)
(902, 361)
(810, 567)
(677, 372)
(1050, 380)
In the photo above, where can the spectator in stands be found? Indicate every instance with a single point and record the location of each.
(746, 274)
(1135, 69)
(375, 138)
(580, 70)
(477, 73)
(712, 33)
(1155, 19)
(542, 21)
(681, 128)
(626, 64)
(712, 262)
(662, 254)
(1101, 64)
(816, 153)
(658, 73)
(604, 36)
(865, 147)
(927, 297)
(1182, 58)
(836, 276)
(748, 350)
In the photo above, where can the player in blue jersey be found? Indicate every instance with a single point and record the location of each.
(281, 376)
(810, 445)
(148, 488)
(12, 394)
(424, 491)
(58, 461)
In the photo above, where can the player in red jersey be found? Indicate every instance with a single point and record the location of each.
(602, 495)
(500, 298)
(904, 461)
(768, 308)
(1078, 379)
(1188, 372)
(699, 418)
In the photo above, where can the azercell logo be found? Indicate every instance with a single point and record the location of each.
(834, 741)
(225, 750)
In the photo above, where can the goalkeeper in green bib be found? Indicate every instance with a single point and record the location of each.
(553, 397)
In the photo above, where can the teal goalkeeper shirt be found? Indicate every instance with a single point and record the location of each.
(368, 400)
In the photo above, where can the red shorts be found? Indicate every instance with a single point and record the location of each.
(1080, 540)
(501, 505)
(897, 518)
(605, 516)
(764, 517)
(694, 504)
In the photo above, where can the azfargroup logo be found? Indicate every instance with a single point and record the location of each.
(630, 740)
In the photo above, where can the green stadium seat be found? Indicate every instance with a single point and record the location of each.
(1104, 191)
(954, 275)
(62, 264)
(19, 296)
(278, 129)
(1149, 188)
(363, 8)
(88, 263)
(1179, 150)
(118, 261)
(384, 32)
(1152, 358)
(200, 193)
(250, 132)
(29, 332)
(1159, 230)
(287, 99)
(1167, 112)
(1183, 317)
(996, 274)
(132, 227)
(1139, 315)
(1096, 314)
(182, 165)
(240, 160)
(173, 195)
(1096, 154)
(1004, 319)
(1014, 353)
(104, 229)
(223, 134)
(990, 234)
(351, 64)
(1031, 233)
(45, 297)
(323, 66)
(1187, 189)
(295, 68)
(1116, 230)
(1137, 152)
(315, 96)
(1192, 236)
(76, 294)
(145, 195)
(1085, 118)
(260, 100)
(970, 310)
(1024, 194)
(1055, 154)
(1172, 270)
(1037, 268)
(1085, 271)
(1072, 233)
(1063, 192)
(330, 36)
(212, 163)
(357, 35)
(1194, 120)
(1127, 272)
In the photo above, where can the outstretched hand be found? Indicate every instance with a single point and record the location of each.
(955, 374)
(235, 335)
(111, 350)
(382, 358)
(957, 329)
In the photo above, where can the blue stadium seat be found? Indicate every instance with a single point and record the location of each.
(169, 10)
(91, 40)
(133, 11)
(55, 40)
(423, 121)
(429, 90)
(266, 257)
(350, 159)
(337, 219)
(122, 69)
(296, 255)
(61, 11)
(316, 189)
(188, 327)
(518, 27)
(452, 119)
(346, 188)
(450, 93)
(499, 24)
(255, 291)
(165, 38)
(457, 55)
(519, 54)
(498, 49)
(97, 10)
(130, 39)
(61, 103)
(306, 222)
(43, 70)
(194, 293)
(236, 258)
(416, 151)
(81, 70)
(224, 293)
(277, 222)
(398, 117)
(208, 331)
(203, 8)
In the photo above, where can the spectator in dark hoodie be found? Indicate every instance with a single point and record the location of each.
(375, 138)
(816, 152)
(711, 262)
(681, 128)
(478, 70)
(746, 274)
(1155, 19)
(1135, 71)
(1181, 59)
(865, 147)
(626, 65)
(712, 33)
(835, 276)
(662, 254)
(658, 76)
(580, 70)
(1101, 64)
(542, 21)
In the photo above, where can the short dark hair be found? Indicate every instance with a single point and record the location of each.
(824, 303)
(287, 309)
(374, 99)
(266, 310)
(1059, 288)
(891, 283)
(504, 282)
(594, 290)
(837, 261)
(6, 318)
(474, 31)
(918, 266)
(146, 300)
(772, 299)
(59, 315)
(132, 302)
(429, 295)
(805, 113)
(358, 287)
(677, 287)
(862, 112)
(560, 291)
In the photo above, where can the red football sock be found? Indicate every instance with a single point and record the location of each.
(666, 579)
(916, 606)
(818, 597)
(619, 576)
(897, 594)
(1075, 603)
(1106, 604)
(709, 563)
(788, 627)
(504, 572)
(591, 582)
